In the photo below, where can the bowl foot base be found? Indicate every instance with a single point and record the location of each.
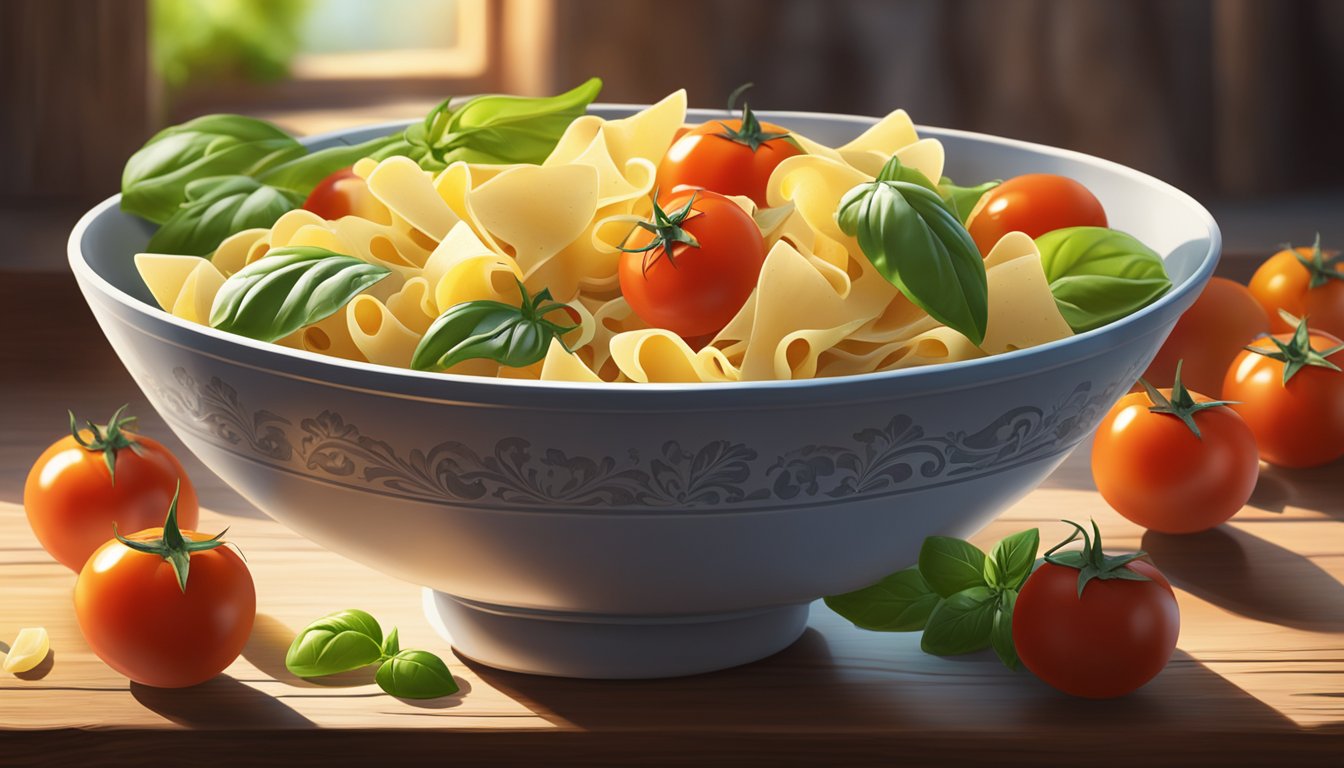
(610, 647)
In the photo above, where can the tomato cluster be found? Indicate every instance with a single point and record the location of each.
(1190, 466)
(163, 606)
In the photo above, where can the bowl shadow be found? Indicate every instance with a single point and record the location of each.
(1251, 577)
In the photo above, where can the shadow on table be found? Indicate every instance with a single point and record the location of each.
(1249, 576)
(219, 703)
(42, 669)
(879, 686)
(1320, 489)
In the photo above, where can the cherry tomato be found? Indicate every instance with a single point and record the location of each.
(1223, 320)
(1151, 467)
(1306, 282)
(1300, 422)
(84, 483)
(1035, 204)
(156, 625)
(345, 194)
(731, 157)
(1105, 641)
(694, 290)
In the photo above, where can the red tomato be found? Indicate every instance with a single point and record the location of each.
(345, 194)
(696, 289)
(1223, 320)
(731, 157)
(140, 618)
(1153, 469)
(1298, 423)
(1105, 642)
(1303, 290)
(73, 498)
(1035, 204)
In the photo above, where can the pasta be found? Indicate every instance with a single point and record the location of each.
(501, 233)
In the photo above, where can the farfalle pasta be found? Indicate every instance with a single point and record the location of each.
(553, 237)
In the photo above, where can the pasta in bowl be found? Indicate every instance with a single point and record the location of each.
(603, 528)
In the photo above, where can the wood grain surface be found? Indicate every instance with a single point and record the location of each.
(1258, 677)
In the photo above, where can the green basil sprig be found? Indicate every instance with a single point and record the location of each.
(352, 639)
(155, 178)
(495, 129)
(916, 241)
(509, 335)
(961, 599)
(1099, 275)
(289, 288)
(215, 208)
(168, 179)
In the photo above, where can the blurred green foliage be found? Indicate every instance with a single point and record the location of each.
(222, 40)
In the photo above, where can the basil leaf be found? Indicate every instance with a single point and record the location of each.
(216, 208)
(337, 643)
(416, 675)
(1099, 275)
(289, 288)
(951, 565)
(920, 246)
(961, 623)
(511, 129)
(962, 200)
(900, 602)
(1009, 564)
(300, 175)
(391, 644)
(1001, 630)
(895, 170)
(155, 178)
(512, 336)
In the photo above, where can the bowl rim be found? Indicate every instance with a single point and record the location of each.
(942, 376)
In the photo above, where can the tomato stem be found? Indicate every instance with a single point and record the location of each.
(171, 545)
(750, 133)
(1091, 561)
(109, 438)
(1297, 353)
(667, 230)
(1320, 268)
(1181, 405)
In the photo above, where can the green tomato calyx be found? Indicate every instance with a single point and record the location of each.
(1091, 561)
(172, 546)
(1297, 353)
(108, 438)
(1181, 404)
(1321, 269)
(750, 133)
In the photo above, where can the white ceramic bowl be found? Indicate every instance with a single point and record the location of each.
(642, 531)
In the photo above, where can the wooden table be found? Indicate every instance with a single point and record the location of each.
(1258, 677)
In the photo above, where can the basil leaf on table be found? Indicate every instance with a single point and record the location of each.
(1099, 275)
(961, 623)
(951, 565)
(1011, 562)
(155, 178)
(289, 288)
(917, 243)
(337, 643)
(416, 675)
(962, 200)
(216, 208)
(509, 335)
(901, 602)
(1001, 630)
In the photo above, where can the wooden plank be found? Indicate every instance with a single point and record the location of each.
(1258, 677)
